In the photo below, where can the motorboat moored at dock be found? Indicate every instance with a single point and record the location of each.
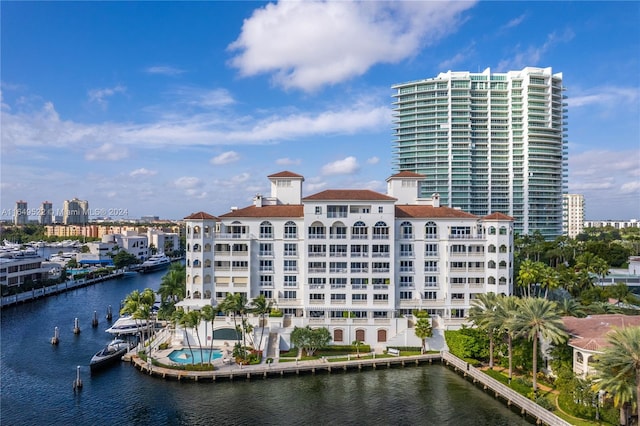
(109, 354)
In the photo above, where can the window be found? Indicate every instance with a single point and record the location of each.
(359, 250)
(289, 294)
(431, 281)
(406, 295)
(316, 314)
(458, 280)
(380, 250)
(406, 266)
(318, 210)
(266, 265)
(266, 230)
(406, 250)
(406, 281)
(380, 209)
(457, 296)
(431, 249)
(492, 248)
(431, 230)
(290, 230)
(380, 231)
(431, 266)
(316, 281)
(502, 264)
(359, 267)
(430, 295)
(316, 296)
(338, 231)
(317, 267)
(266, 280)
(492, 230)
(338, 282)
(338, 296)
(502, 281)
(291, 265)
(503, 248)
(317, 250)
(337, 211)
(267, 293)
(380, 266)
(503, 230)
(290, 281)
(290, 249)
(359, 297)
(317, 230)
(359, 231)
(380, 297)
(339, 267)
(359, 282)
(460, 231)
(338, 250)
(380, 314)
(491, 264)
(406, 230)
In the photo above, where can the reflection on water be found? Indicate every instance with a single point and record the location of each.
(37, 378)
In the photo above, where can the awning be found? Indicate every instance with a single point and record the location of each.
(96, 262)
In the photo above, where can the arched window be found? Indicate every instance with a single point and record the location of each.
(290, 230)
(380, 231)
(207, 263)
(503, 230)
(266, 230)
(492, 280)
(196, 232)
(382, 335)
(207, 232)
(207, 294)
(359, 231)
(431, 231)
(207, 279)
(197, 295)
(196, 247)
(492, 248)
(360, 335)
(406, 231)
(502, 281)
(491, 264)
(197, 280)
(189, 230)
(188, 262)
(207, 247)
(338, 335)
(317, 231)
(338, 231)
(503, 264)
(503, 248)
(492, 230)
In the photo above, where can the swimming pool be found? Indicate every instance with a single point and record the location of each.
(183, 356)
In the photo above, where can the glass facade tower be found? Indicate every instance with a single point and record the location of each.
(488, 142)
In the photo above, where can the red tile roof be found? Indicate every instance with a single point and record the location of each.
(284, 210)
(407, 174)
(498, 216)
(348, 195)
(590, 333)
(285, 174)
(426, 212)
(200, 216)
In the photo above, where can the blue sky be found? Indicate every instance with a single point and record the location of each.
(170, 108)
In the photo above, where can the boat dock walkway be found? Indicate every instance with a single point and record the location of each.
(37, 293)
(279, 369)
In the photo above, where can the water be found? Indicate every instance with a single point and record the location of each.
(36, 381)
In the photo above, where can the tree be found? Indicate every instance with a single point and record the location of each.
(138, 305)
(123, 259)
(483, 315)
(235, 304)
(309, 340)
(619, 369)
(261, 307)
(173, 284)
(506, 310)
(209, 314)
(571, 308)
(538, 318)
(529, 273)
(357, 344)
(423, 330)
(193, 320)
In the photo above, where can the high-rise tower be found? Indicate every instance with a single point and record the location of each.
(488, 142)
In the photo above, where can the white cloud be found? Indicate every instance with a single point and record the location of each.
(532, 55)
(202, 98)
(187, 182)
(307, 45)
(631, 187)
(605, 96)
(107, 151)
(44, 127)
(164, 70)
(373, 160)
(288, 161)
(225, 158)
(142, 172)
(346, 166)
(100, 96)
(514, 22)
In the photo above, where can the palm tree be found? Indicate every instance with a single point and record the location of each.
(138, 305)
(549, 279)
(423, 330)
(261, 306)
(571, 308)
(483, 315)
(235, 304)
(505, 313)
(529, 274)
(172, 286)
(194, 320)
(619, 369)
(538, 318)
(209, 314)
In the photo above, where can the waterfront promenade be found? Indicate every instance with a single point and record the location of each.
(230, 372)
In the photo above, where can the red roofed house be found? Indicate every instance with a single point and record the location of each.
(356, 261)
(589, 337)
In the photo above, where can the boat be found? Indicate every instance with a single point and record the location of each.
(109, 354)
(127, 325)
(155, 263)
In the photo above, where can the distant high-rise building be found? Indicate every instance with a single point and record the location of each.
(46, 213)
(21, 213)
(488, 142)
(75, 212)
(573, 214)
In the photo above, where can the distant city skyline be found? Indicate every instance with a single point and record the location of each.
(166, 108)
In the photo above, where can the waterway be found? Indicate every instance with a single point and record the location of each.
(36, 381)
